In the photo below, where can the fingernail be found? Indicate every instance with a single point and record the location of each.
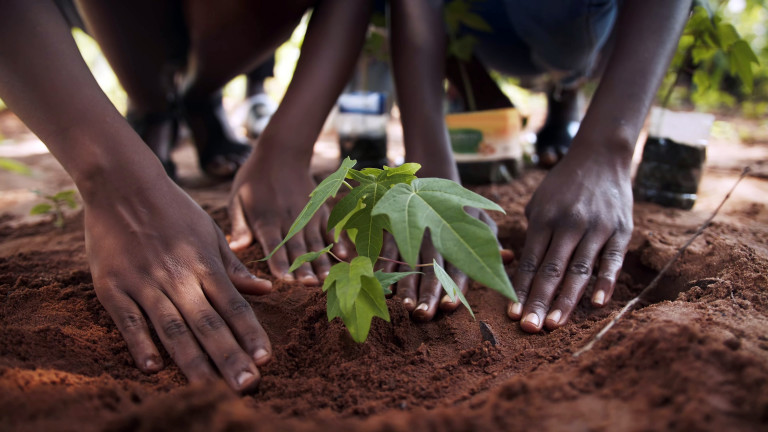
(408, 303)
(599, 297)
(446, 299)
(150, 364)
(555, 316)
(243, 377)
(532, 319)
(422, 307)
(261, 354)
(287, 277)
(515, 309)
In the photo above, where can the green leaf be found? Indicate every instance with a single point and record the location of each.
(41, 208)
(388, 279)
(14, 166)
(475, 22)
(463, 240)
(741, 57)
(462, 47)
(309, 257)
(326, 189)
(373, 184)
(727, 35)
(347, 279)
(67, 196)
(452, 14)
(450, 287)
(369, 303)
(370, 231)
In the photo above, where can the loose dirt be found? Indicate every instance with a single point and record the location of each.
(693, 358)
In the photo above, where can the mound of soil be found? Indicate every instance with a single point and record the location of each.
(695, 358)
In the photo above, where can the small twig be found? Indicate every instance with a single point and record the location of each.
(335, 257)
(403, 263)
(658, 277)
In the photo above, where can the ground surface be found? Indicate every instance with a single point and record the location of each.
(694, 359)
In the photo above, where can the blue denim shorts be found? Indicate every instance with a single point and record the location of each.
(532, 37)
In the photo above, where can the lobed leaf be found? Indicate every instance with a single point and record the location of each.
(369, 303)
(326, 189)
(465, 241)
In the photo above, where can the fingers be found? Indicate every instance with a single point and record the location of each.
(313, 235)
(241, 278)
(269, 236)
(296, 247)
(536, 244)
(462, 281)
(176, 336)
(390, 252)
(611, 260)
(241, 236)
(576, 279)
(236, 366)
(429, 287)
(132, 325)
(547, 279)
(406, 289)
(239, 316)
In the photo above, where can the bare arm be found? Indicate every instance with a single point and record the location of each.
(580, 218)
(150, 247)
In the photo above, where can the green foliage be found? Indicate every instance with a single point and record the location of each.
(394, 200)
(14, 166)
(458, 16)
(55, 205)
(713, 52)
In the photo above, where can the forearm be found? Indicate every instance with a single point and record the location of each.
(418, 58)
(45, 82)
(647, 36)
(333, 42)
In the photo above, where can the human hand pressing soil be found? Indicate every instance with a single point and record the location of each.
(579, 219)
(178, 271)
(422, 294)
(265, 200)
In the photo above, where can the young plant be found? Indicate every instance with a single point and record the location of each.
(394, 200)
(458, 14)
(55, 205)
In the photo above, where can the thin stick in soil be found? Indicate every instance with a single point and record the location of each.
(632, 303)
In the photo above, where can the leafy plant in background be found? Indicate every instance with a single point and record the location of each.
(394, 200)
(55, 205)
(14, 166)
(458, 15)
(714, 54)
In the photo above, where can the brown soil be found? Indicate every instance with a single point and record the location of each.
(695, 358)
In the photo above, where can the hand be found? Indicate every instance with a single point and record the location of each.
(264, 203)
(163, 255)
(421, 293)
(580, 217)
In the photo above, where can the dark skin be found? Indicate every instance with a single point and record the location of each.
(329, 54)
(145, 259)
(180, 273)
(580, 218)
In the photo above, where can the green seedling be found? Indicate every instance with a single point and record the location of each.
(396, 201)
(55, 205)
(457, 15)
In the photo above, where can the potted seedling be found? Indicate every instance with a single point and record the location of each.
(675, 150)
(486, 143)
(396, 201)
